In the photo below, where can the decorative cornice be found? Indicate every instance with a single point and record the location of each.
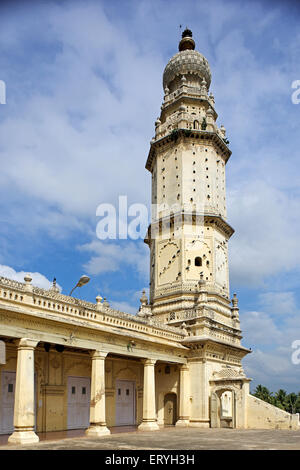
(188, 134)
(190, 340)
(182, 216)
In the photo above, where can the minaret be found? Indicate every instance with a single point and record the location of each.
(189, 233)
(188, 238)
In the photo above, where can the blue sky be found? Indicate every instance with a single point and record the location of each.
(84, 87)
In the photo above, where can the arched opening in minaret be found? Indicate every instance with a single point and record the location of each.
(196, 124)
(198, 261)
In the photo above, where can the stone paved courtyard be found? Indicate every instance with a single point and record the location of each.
(177, 439)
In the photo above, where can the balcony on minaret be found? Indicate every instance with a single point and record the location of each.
(187, 91)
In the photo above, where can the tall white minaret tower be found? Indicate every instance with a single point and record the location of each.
(188, 238)
(189, 232)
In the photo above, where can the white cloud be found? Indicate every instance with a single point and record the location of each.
(94, 119)
(38, 279)
(266, 239)
(259, 329)
(278, 303)
(111, 257)
(270, 334)
(273, 369)
(124, 307)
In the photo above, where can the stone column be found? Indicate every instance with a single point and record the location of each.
(184, 397)
(97, 406)
(149, 422)
(24, 413)
(199, 383)
(2, 353)
(242, 423)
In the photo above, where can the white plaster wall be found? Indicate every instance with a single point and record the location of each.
(263, 415)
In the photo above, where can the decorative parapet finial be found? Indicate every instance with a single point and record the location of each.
(28, 285)
(202, 298)
(54, 287)
(223, 131)
(183, 328)
(144, 299)
(235, 309)
(210, 120)
(27, 278)
(203, 88)
(211, 99)
(98, 302)
(145, 308)
(202, 281)
(187, 41)
(235, 301)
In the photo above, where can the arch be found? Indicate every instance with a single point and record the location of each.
(226, 404)
(126, 373)
(78, 368)
(196, 125)
(198, 261)
(222, 416)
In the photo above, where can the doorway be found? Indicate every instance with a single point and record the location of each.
(78, 402)
(8, 402)
(223, 409)
(170, 409)
(125, 402)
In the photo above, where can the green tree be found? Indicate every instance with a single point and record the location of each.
(263, 393)
(280, 399)
(288, 402)
(292, 403)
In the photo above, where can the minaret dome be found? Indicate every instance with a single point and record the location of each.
(187, 62)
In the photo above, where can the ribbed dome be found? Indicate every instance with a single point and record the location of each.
(184, 62)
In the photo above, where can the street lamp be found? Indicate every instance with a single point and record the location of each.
(82, 281)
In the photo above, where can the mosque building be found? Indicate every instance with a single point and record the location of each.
(67, 364)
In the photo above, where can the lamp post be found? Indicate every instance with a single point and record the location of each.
(82, 281)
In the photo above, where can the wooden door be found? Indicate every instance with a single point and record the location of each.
(170, 409)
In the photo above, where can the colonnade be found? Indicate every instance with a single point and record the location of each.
(24, 412)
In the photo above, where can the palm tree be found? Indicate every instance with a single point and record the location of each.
(292, 402)
(263, 393)
(280, 399)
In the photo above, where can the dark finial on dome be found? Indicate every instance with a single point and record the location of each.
(187, 41)
(187, 33)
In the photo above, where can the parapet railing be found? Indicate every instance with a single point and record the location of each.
(27, 295)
